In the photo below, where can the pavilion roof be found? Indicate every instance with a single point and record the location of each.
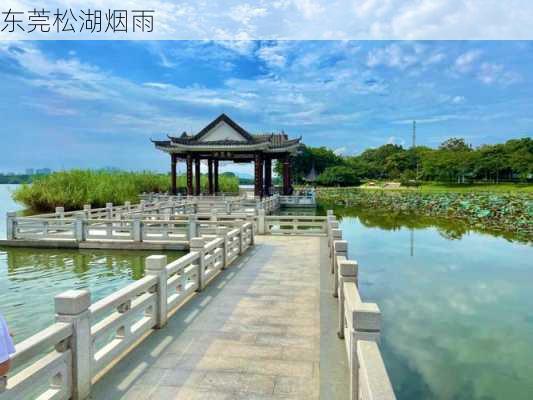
(240, 140)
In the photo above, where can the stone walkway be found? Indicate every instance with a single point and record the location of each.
(254, 333)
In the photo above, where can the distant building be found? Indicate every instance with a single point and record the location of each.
(30, 171)
(43, 171)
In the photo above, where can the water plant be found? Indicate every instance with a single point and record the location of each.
(74, 188)
(511, 212)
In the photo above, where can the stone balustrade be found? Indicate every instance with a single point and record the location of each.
(88, 338)
(291, 224)
(359, 323)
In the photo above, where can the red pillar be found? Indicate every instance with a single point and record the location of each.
(258, 175)
(173, 162)
(217, 189)
(197, 188)
(189, 175)
(210, 176)
(268, 176)
(286, 176)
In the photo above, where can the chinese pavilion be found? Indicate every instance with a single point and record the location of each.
(224, 140)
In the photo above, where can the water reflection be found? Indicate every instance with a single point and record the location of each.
(30, 278)
(456, 305)
(452, 229)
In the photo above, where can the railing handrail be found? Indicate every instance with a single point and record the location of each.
(88, 323)
(359, 323)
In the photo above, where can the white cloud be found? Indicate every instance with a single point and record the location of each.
(458, 100)
(274, 54)
(490, 73)
(309, 8)
(340, 150)
(404, 55)
(465, 62)
(245, 13)
(314, 19)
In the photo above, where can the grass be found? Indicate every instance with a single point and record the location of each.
(72, 189)
(438, 187)
(473, 188)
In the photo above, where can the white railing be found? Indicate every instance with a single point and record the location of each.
(62, 361)
(308, 200)
(359, 324)
(291, 225)
(44, 366)
(38, 228)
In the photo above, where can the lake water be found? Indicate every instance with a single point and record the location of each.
(30, 278)
(457, 305)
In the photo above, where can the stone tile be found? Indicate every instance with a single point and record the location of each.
(257, 337)
(281, 368)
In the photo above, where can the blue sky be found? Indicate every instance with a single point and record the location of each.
(97, 103)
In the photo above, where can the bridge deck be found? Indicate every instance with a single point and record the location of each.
(264, 329)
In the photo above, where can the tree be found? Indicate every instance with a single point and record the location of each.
(338, 176)
(455, 144)
(318, 157)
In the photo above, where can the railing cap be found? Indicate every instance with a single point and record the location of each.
(72, 302)
(348, 267)
(197, 243)
(336, 233)
(155, 262)
(340, 245)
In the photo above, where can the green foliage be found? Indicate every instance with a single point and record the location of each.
(453, 162)
(72, 189)
(511, 212)
(338, 176)
(319, 157)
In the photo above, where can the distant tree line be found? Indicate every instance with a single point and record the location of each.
(15, 178)
(454, 161)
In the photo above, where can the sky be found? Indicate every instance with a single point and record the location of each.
(308, 19)
(94, 104)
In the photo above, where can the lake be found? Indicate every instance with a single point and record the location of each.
(30, 278)
(457, 304)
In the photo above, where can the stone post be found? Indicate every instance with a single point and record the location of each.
(241, 240)
(193, 226)
(73, 307)
(366, 326)
(340, 248)
(197, 244)
(222, 231)
(127, 206)
(336, 234)
(228, 207)
(11, 225)
(261, 227)
(157, 266)
(80, 228)
(348, 270)
(213, 215)
(109, 210)
(60, 212)
(136, 228)
(87, 210)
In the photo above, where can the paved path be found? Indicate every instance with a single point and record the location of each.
(254, 333)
